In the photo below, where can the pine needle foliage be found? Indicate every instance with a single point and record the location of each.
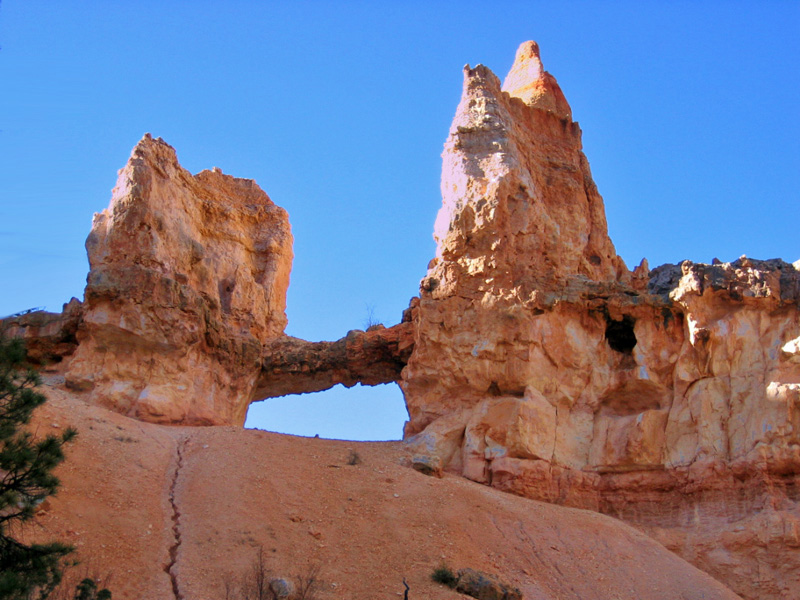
(27, 571)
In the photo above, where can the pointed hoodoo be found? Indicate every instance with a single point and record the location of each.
(522, 228)
(543, 367)
(519, 208)
(528, 81)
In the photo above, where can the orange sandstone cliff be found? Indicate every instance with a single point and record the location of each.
(542, 366)
(533, 361)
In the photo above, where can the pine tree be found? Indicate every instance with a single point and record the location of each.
(27, 571)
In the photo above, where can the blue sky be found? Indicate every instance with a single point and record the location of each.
(339, 111)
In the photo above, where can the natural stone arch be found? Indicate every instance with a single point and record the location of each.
(294, 366)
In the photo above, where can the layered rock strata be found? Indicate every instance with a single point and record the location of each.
(542, 366)
(184, 307)
(188, 280)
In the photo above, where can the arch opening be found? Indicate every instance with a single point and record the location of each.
(357, 413)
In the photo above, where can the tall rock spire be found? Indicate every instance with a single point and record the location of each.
(519, 208)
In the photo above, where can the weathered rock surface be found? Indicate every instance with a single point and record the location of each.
(188, 279)
(542, 366)
(520, 211)
(484, 587)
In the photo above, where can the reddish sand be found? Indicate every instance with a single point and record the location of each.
(135, 493)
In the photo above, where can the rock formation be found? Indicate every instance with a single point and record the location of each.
(49, 337)
(183, 315)
(188, 280)
(542, 366)
(534, 361)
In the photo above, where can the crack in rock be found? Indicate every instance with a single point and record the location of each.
(169, 568)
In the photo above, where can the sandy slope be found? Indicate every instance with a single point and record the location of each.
(130, 487)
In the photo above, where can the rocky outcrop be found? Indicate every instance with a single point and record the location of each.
(520, 211)
(521, 233)
(188, 279)
(542, 366)
(49, 337)
(183, 315)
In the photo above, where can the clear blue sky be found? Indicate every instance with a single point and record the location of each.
(339, 110)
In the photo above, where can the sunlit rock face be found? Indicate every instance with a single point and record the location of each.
(520, 211)
(542, 366)
(521, 236)
(188, 279)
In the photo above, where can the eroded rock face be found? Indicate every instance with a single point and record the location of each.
(521, 232)
(542, 366)
(184, 307)
(188, 279)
